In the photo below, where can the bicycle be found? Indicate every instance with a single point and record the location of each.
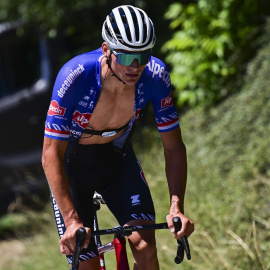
(119, 242)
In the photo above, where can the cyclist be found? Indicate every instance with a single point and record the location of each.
(96, 101)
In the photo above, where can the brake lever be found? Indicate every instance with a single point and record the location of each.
(182, 245)
(80, 237)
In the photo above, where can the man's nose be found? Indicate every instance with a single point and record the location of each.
(135, 64)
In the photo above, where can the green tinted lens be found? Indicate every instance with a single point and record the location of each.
(127, 59)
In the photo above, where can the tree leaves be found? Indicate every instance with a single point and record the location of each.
(209, 47)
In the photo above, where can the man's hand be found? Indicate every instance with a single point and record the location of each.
(68, 241)
(187, 225)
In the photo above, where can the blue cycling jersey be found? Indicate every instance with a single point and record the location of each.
(76, 92)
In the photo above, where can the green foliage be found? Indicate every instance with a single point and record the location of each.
(211, 44)
(229, 175)
(76, 26)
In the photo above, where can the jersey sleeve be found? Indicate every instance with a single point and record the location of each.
(165, 112)
(64, 98)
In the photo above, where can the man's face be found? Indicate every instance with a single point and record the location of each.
(129, 65)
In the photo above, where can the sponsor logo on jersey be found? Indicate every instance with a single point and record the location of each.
(70, 79)
(83, 103)
(81, 119)
(57, 127)
(156, 69)
(75, 133)
(55, 109)
(56, 130)
(167, 101)
(91, 105)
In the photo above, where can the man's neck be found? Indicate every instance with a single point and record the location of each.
(111, 83)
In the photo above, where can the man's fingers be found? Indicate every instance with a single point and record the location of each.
(170, 223)
(65, 250)
(187, 227)
(67, 246)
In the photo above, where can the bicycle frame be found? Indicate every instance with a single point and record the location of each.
(119, 246)
(119, 242)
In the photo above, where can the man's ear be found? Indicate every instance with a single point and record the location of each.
(106, 50)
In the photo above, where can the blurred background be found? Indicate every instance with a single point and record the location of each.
(218, 55)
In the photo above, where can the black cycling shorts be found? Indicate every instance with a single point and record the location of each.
(118, 178)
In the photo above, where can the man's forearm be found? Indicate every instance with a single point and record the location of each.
(59, 185)
(176, 172)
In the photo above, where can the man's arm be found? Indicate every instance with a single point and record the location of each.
(176, 172)
(53, 165)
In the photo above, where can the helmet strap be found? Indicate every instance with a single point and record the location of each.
(108, 62)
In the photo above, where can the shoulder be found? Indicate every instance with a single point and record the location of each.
(77, 72)
(81, 63)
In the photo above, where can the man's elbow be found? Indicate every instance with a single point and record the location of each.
(182, 148)
(44, 159)
(47, 156)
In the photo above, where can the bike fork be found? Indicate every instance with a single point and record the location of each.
(121, 253)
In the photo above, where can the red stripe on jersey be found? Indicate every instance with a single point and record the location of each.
(167, 123)
(57, 131)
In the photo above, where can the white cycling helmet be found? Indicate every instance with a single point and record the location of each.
(129, 28)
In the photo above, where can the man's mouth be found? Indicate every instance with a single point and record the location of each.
(132, 75)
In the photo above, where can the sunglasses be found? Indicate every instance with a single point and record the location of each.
(126, 59)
